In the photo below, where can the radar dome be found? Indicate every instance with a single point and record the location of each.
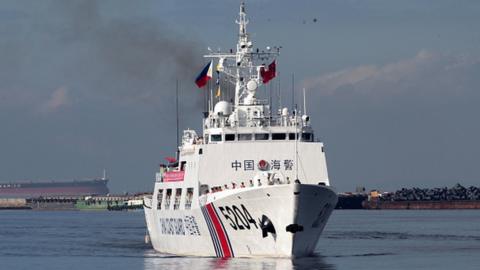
(252, 85)
(223, 108)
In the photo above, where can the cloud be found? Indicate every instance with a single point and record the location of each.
(427, 72)
(58, 99)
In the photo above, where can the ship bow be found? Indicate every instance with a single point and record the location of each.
(313, 207)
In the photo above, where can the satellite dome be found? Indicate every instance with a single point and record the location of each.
(252, 85)
(223, 108)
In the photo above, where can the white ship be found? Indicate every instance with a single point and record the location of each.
(254, 184)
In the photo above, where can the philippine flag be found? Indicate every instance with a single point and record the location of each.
(204, 76)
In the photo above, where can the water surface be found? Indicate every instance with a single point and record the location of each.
(353, 239)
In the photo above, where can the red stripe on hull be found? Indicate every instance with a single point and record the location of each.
(220, 232)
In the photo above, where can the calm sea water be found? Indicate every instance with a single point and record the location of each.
(354, 239)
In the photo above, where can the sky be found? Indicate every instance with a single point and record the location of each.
(393, 87)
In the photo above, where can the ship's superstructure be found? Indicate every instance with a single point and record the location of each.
(254, 184)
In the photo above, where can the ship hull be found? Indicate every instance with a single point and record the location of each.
(267, 221)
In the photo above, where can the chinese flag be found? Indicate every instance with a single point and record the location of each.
(269, 73)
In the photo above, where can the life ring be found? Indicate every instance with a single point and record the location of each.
(263, 165)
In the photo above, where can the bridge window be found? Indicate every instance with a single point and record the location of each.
(216, 138)
(182, 165)
(307, 137)
(159, 199)
(261, 136)
(291, 136)
(279, 136)
(245, 137)
(168, 198)
(178, 197)
(189, 198)
(229, 137)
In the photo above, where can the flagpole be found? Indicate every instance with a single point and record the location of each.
(176, 114)
(205, 100)
(279, 93)
(211, 98)
(270, 99)
(176, 108)
(209, 94)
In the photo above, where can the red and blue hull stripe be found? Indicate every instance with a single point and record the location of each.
(220, 240)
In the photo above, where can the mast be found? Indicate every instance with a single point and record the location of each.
(243, 47)
(242, 67)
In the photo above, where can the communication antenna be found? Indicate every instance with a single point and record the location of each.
(293, 90)
(304, 103)
(296, 143)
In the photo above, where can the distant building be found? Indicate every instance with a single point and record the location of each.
(75, 188)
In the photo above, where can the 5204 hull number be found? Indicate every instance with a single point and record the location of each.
(238, 217)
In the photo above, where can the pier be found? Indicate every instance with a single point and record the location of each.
(73, 203)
